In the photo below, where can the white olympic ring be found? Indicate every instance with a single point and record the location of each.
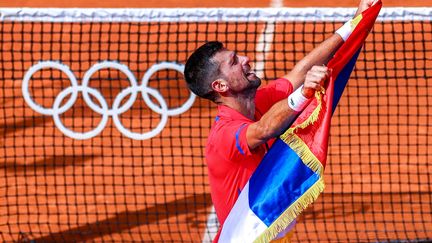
(103, 109)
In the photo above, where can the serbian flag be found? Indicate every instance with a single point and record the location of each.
(290, 176)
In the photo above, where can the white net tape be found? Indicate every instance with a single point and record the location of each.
(204, 14)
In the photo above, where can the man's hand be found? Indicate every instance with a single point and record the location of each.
(314, 79)
(281, 115)
(364, 4)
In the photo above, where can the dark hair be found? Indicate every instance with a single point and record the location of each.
(201, 70)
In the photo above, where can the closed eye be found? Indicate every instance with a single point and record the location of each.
(234, 59)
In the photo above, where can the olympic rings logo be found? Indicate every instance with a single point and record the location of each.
(57, 109)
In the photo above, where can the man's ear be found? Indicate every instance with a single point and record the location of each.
(220, 85)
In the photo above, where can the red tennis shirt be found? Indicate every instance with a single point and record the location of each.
(230, 162)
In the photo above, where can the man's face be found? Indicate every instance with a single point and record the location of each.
(237, 70)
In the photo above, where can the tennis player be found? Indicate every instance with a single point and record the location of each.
(250, 118)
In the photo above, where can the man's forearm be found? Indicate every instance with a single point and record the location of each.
(283, 113)
(318, 56)
(322, 53)
(271, 124)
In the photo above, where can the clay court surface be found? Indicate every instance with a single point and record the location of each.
(113, 188)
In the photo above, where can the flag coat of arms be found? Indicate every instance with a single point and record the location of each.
(290, 176)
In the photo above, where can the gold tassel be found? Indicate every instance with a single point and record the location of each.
(303, 151)
(311, 119)
(291, 213)
(298, 146)
(355, 21)
(310, 160)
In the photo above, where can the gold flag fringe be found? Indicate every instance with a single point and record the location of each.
(356, 21)
(311, 119)
(303, 151)
(291, 213)
(310, 160)
(298, 146)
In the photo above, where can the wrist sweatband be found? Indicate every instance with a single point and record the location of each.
(345, 31)
(296, 101)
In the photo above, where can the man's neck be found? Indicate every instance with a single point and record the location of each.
(245, 104)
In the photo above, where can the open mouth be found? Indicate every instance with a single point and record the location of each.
(250, 74)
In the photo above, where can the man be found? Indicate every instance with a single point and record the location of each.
(249, 119)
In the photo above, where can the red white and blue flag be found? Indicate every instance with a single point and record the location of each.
(290, 176)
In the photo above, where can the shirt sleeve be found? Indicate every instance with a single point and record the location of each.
(229, 140)
(235, 132)
(275, 91)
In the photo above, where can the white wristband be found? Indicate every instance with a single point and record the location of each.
(296, 101)
(345, 31)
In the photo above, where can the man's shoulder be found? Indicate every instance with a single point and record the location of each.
(227, 133)
(223, 127)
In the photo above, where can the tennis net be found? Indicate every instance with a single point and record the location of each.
(102, 141)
